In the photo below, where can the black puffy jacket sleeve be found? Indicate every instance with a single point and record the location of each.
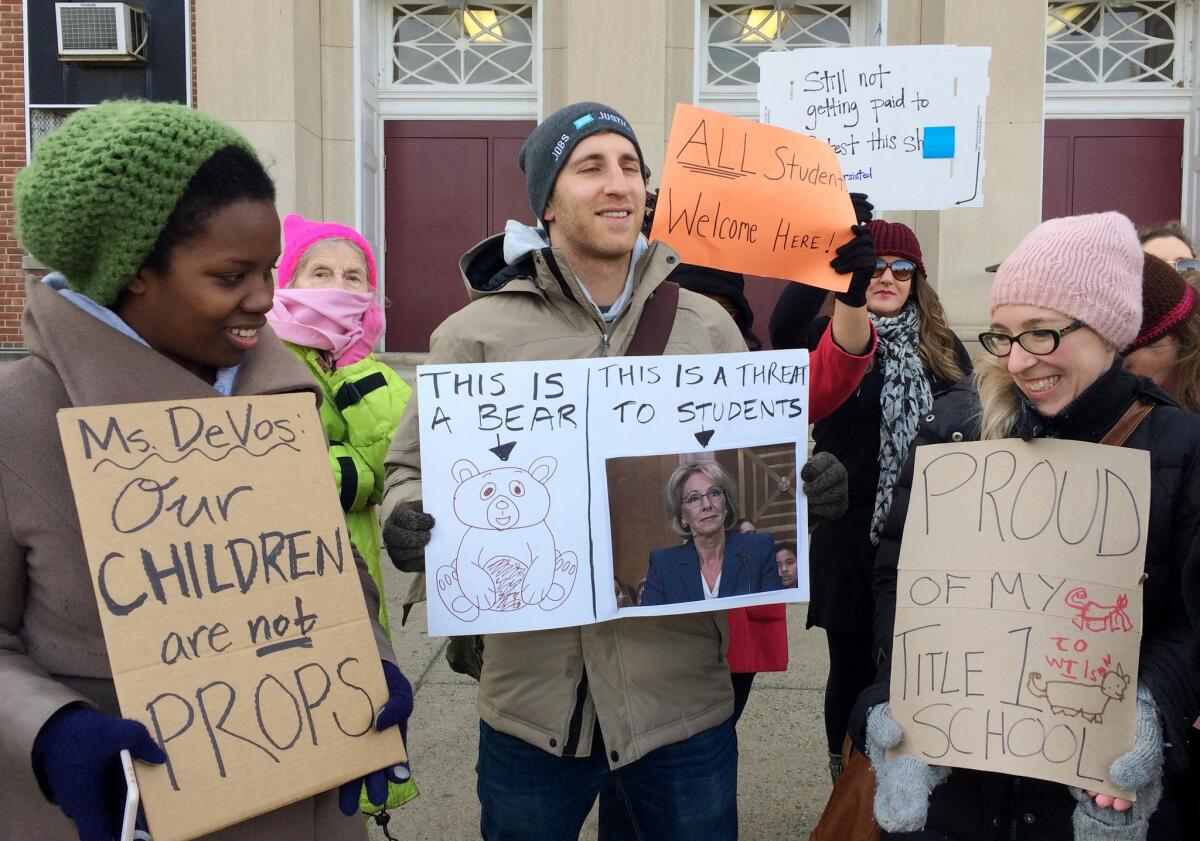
(794, 321)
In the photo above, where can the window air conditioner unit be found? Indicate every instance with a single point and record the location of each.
(101, 32)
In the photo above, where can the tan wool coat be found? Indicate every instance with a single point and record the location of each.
(51, 646)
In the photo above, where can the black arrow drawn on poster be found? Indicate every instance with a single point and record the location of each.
(502, 451)
(704, 436)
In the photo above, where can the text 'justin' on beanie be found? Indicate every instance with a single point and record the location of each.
(1086, 267)
(101, 188)
(548, 147)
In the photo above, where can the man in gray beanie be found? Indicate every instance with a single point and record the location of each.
(641, 706)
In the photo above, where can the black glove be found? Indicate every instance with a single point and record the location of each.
(857, 259)
(863, 209)
(826, 486)
(406, 534)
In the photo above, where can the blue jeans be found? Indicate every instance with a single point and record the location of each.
(685, 790)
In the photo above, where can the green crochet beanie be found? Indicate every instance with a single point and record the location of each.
(100, 189)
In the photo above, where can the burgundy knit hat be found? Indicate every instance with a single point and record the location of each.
(1167, 300)
(896, 239)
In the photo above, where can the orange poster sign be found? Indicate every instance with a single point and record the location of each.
(752, 198)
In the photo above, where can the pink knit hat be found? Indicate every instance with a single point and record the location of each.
(299, 234)
(1086, 267)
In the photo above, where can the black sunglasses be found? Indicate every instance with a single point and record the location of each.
(902, 270)
(1038, 341)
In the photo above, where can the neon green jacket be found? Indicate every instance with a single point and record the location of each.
(362, 406)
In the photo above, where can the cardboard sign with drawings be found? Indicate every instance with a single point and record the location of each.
(1019, 608)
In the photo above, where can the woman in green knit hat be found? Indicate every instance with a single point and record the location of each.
(160, 225)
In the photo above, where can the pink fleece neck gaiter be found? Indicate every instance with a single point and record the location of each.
(344, 324)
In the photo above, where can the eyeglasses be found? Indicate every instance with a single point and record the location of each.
(1186, 264)
(714, 496)
(1039, 341)
(902, 270)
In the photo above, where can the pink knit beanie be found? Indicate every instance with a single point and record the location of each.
(1086, 267)
(299, 234)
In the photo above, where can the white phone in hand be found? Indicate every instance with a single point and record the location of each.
(132, 801)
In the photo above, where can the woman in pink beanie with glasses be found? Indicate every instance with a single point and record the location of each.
(326, 312)
(1063, 306)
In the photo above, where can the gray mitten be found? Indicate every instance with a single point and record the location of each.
(826, 486)
(903, 784)
(1139, 771)
(406, 534)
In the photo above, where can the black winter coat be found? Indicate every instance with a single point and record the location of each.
(841, 554)
(980, 806)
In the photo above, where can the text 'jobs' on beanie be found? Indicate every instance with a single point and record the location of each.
(548, 147)
(100, 189)
(1086, 267)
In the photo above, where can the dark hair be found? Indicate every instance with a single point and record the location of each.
(231, 175)
(789, 545)
(1166, 229)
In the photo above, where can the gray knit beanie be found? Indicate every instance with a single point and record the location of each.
(549, 146)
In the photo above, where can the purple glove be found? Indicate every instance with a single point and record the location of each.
(395, 713)
(77, 759)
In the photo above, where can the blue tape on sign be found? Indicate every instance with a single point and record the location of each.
(937, 142)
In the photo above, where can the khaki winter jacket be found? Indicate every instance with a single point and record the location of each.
(651, 681)
(52, 649)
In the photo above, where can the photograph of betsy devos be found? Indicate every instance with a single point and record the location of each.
(715, 560)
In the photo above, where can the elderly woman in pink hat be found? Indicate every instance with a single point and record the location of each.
(326, 312)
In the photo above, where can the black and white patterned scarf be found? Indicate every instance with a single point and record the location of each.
(905, 399)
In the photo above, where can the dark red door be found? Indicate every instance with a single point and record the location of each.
(447, 186)
(1134, 166)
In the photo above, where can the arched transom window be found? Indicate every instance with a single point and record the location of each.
(739, 33)
(1115, 42)
(462, 44)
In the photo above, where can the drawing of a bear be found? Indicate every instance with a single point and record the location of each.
(507, 558)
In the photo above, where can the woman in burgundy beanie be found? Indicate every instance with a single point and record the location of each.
(1167, 347)
(918, 358)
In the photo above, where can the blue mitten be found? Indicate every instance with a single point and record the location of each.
(903, 784)
(395, 713)
(1139, 771)
(77, 759)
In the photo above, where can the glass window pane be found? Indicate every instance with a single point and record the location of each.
(739, 33)
(1112, 42)
(481, 44)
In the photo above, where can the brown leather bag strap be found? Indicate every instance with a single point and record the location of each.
(658, 317)
(1122, 429)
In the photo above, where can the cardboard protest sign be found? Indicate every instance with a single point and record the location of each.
(231, 603)
(1019, 608)
(907, 123)
(547, 481)
(751, 198)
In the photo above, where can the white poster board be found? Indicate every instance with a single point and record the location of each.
(530, 470)
(907, 123)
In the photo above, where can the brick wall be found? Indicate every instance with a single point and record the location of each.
(12, 158)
